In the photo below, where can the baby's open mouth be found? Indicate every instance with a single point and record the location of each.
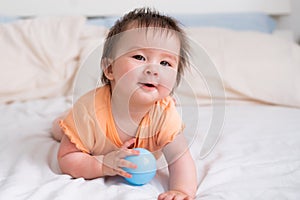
(149, 84)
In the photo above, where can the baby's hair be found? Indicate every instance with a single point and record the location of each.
(144, 18)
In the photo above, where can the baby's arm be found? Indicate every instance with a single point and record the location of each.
(79, 164)
(182, 170)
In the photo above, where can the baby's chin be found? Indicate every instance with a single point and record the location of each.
(145, 97)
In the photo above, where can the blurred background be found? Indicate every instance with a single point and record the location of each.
(292, 21)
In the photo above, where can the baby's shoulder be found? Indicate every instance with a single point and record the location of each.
(97, 97)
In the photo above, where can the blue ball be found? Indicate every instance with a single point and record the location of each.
(146, 167)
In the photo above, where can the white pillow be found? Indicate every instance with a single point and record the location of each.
(253, 66)
(91, 47)
(38, 57)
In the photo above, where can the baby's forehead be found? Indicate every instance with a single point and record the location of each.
(148, 38)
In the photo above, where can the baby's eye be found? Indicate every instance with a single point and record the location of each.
(165, 63)
(139, 57)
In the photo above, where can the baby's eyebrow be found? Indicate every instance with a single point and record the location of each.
(164, 53)
(171, 56)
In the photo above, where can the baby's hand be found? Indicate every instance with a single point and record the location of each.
(114, 161)
(172, 195)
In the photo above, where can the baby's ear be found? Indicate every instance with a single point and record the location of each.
(106, 65)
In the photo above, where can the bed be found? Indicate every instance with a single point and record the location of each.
(241, 110)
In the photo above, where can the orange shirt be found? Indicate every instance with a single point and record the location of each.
(90, 124)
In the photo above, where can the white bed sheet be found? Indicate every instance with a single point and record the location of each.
(257, 157)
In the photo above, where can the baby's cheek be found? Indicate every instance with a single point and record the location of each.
(168, 80)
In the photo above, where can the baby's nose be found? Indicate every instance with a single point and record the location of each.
(151, 70)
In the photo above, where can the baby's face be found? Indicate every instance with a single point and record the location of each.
(146, 64)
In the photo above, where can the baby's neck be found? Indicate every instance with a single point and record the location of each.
(128, 117)
(138, 113)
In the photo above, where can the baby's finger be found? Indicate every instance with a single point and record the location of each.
(127, 164)
(121, 172)
(127, 152)
(164, 196)
(128, 143)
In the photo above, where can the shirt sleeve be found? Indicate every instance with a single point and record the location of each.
(170, 124)
(79, 127)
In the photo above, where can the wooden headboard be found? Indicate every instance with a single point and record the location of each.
(91, 8)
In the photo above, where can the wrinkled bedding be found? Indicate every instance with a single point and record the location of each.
(256, 157)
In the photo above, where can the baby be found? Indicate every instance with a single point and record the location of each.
(144, 56)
